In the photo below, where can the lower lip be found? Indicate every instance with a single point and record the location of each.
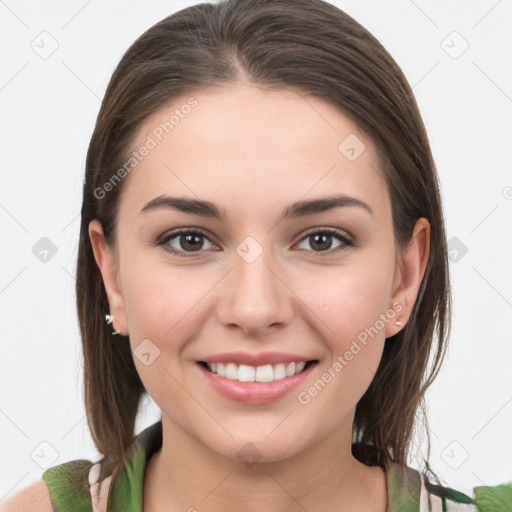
(255, 393)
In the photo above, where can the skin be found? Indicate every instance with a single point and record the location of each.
(253, 152)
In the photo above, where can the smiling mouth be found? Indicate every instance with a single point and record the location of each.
(265, 373)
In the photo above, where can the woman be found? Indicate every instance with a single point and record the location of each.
(262, 251)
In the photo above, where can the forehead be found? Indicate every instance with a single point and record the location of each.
(242, 145)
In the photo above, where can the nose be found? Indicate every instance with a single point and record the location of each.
(254, 296)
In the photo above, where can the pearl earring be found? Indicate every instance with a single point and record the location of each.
(399, 323)
(110, 319)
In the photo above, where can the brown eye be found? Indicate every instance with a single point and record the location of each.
(183, 243)
(322, 241)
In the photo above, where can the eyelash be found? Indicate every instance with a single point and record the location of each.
(341, 235)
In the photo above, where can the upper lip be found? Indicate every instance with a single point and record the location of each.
(255, 359)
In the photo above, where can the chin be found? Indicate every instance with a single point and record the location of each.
(250, 450)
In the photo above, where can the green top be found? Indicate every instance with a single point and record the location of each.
(408, 490)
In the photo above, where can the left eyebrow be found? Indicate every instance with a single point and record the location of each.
(295, 210)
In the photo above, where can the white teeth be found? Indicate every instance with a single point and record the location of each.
(279, 371)
(290, 370)
(231, 371)
(246, 373)
(265, 373)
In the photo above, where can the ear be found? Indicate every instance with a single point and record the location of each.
(108, 265)
(412, 262)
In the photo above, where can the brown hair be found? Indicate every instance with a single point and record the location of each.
(315, 47)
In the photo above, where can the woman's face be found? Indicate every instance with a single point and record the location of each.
(255, 280)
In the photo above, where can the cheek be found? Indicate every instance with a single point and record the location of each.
(355, 307)
(162, 306)
(160, 303)
(165, 304)
(353, 299)
(354, 304)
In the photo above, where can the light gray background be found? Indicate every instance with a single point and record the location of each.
(48, 108)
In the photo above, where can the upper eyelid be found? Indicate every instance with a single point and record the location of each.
(168, 235)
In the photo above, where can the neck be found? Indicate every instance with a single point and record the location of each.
(187, 475)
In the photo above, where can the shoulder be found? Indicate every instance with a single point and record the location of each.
(410, 489)
(35, 497)
(61, 488)
(495, 498)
